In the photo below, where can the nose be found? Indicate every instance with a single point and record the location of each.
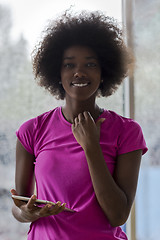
(79, 74)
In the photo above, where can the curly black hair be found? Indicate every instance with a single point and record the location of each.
(92, 29)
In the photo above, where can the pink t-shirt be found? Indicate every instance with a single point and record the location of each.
(62, 173)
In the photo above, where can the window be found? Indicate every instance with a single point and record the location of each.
(20, 97)
(143, 27)
(147, 112)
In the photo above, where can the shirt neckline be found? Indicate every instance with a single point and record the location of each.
(70, 124)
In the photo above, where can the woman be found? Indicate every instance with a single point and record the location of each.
(80, 155)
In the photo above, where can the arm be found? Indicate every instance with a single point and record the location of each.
(24, 176)
(25, 183)
(114, 194)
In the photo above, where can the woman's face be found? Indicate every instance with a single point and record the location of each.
(80, 73)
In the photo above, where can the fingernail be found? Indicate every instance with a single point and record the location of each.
(49, 205)
(59, 203)
(33, 197)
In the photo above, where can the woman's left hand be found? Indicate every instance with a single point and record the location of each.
(86, 131)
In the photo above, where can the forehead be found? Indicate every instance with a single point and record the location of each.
(79, 52)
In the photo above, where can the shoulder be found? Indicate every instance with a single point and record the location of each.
(127, 131)
(32, 129)
(120, 121)
(37, 121)
(33, 126)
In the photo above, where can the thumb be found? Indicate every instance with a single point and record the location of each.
(13, 192)
(17, 202)
(98, 123)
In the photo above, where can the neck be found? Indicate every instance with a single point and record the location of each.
(72, 108)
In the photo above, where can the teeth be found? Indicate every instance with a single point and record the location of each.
(80, 84)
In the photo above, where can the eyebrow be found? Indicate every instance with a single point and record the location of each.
(72, 57)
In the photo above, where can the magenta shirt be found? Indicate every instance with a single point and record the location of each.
(62, 173)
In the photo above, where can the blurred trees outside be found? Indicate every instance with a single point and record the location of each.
(20, 99)
(147, 112)
(147, 73)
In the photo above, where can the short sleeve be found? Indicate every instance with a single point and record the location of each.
(131, 138)
(25, 135)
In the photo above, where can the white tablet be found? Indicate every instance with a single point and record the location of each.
(26, 199)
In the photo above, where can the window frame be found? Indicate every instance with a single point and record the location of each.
(128, 96)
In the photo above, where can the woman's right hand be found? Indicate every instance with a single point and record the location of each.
(30, 212)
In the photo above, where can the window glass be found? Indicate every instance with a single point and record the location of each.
(20, 98)
(147, 113)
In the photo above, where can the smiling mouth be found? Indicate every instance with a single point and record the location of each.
(80, 84)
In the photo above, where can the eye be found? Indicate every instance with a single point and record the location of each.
(68, 65)
(91, 64)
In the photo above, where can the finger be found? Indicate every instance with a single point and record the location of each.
(99, 122)
(87, 115)
(73, 126)
(55, 207)
(50, 209)
(17, 202)
(45, 210)
(76, 121)
(81, 117)
(31, 202)
(60, 208)
(13, 192)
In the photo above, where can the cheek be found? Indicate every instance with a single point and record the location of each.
(98, 78)
(63, 79)
(66, 75)
(98, 74)
(62, 74)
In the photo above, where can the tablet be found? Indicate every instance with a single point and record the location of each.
(26, 199)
